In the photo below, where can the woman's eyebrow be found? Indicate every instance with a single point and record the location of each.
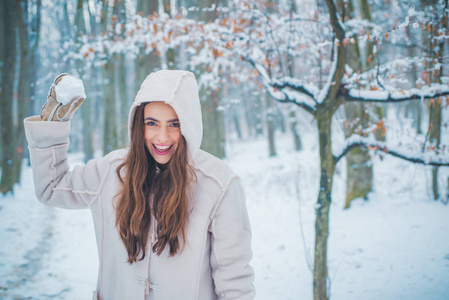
(156, 120)
(151, 119)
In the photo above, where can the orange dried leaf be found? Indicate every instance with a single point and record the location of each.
(380, 124)
(255, 72)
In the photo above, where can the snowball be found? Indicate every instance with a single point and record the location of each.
(68, 88)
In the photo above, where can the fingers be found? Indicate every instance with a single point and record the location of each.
(59, 78)
(65, 112)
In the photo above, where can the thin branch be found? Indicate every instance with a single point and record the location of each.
(270, 32)
(306, 107)
(415, 160)
(296, 87)
(270, 86)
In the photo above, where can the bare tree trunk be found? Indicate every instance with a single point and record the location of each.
(85, 108)
(434, 132)
(8, 18)
(293, 128)
(435, 119)
(146, 63)
(213, 136)
(415, 106)
(110, 136)
(171, 54)
(120, 14)
(110, 141)
(270, 124)
(22, 90)
(358, 162)
(327, 167)
(213, 119)
(292, 120)
(34, 26)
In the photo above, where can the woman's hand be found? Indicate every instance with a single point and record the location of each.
(65, 96)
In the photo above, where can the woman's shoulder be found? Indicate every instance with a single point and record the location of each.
(116, 155)
(214, 168)
(113, 158)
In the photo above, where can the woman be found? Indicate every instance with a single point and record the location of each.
(170, 219)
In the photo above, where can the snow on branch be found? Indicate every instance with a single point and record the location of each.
(428, 92)
(298, 85)
(425, 158)
(281, 94)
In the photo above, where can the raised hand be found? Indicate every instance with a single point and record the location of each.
(65, 96)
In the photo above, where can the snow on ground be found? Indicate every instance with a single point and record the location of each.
(393, 246)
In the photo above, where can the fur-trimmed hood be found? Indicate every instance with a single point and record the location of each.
(178, 89)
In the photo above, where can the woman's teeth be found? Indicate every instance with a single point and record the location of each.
(161, 147)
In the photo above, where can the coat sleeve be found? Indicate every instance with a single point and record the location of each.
(54, 184)
(231, 246)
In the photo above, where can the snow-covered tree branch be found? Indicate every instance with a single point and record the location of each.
(430, 158)
(427, 92)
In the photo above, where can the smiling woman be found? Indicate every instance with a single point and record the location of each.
(170, 219)
(162, 131)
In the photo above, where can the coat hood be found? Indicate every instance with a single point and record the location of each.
(178, 89)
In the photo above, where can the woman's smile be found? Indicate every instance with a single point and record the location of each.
(162, 131)
(162, 149)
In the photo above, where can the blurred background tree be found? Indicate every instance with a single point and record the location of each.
(262, 67)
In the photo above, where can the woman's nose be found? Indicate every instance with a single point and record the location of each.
(163, 135)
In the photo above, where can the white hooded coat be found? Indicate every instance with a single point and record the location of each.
(215, 261)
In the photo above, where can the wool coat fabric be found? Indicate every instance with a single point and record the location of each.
(215, 261)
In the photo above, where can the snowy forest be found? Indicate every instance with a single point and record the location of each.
(334, 114)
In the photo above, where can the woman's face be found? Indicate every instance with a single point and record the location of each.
(162, 131)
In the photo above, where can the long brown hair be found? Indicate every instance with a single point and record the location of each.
(168, 185)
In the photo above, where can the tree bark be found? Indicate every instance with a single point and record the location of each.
(434, 132)
(327, 167)
(110, 136)
(293, 128)
(145, 63)
(80, 29)
(110, 141)
(6, 96)
(358, 162)
(269, 108)
(22, 90)
(120, 12)
(213, 119)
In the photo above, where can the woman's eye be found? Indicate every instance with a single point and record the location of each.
(151, 123)
(175, 125)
